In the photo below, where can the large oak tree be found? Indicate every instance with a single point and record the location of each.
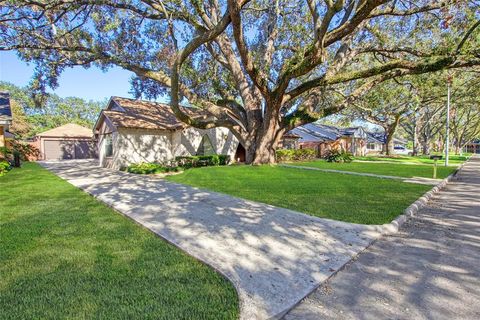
(259, 68)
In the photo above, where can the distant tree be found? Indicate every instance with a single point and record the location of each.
(386, 105)
(427, 123)
(257, 67)
(33, 113)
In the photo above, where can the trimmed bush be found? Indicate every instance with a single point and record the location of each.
(224, 159)
(338, 156)
(202, 161)
(295, 154)
(284, 155)
(304, 154)
(146, 168)
(4, 167)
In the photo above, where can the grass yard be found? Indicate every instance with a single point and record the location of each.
(336, 196)
(389, 169)
(453, 159)
(65, 255)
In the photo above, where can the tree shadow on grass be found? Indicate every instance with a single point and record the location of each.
(429, 270)
(77, 258)
(273, 256)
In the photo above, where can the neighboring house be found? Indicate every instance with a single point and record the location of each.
(70, 141)
(324, 138)
(133, 131)
(473, 146)
(5, 117)
(375, 142)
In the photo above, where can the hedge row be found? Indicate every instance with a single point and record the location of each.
(150, 168)
(179, 164)
(203, 161)
(295, 154)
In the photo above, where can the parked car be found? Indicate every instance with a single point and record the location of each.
(402, 150)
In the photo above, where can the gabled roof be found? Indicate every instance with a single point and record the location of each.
(67, 130)
(314, 132)
(380, 137)
(375, 137)
(140, 114)
(5, 111)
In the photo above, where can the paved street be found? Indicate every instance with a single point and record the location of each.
(429, 270)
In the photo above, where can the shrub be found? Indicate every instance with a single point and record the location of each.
(295, 155)
(338, 156)
(202, 161)
(224, 159)
(284, 155)
(304, 154)
(4, 167)
(146, 168)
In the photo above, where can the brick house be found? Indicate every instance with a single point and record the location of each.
(324, 138)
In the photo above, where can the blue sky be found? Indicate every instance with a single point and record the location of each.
(90, 84)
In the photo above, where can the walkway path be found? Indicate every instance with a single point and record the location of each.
(429, 270)
(273, 256)
(419, 180)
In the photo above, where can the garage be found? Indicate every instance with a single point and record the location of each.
(70, 141)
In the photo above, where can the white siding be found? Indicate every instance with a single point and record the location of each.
(187, 141)
(137, 145)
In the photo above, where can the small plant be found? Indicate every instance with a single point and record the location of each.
(339, 156)
(4, 167)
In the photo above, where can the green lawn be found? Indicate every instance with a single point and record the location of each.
(390, 169)
(336, 196)
(65, 255)
(453, 159)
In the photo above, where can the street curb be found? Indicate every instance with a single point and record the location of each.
(412, 210)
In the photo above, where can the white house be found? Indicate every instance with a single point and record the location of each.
(133, 131)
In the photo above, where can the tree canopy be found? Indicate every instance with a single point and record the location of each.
(33, 113)
(257, 67)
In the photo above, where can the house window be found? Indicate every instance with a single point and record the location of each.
(371, 146)
(206, 147)
(108, 145)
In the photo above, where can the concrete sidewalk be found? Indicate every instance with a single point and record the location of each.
(429, 270)
(273, 256)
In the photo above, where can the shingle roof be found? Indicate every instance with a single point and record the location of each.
(140, 114)
(314, 132)
(375, 137)
(68, 130)
(5, 111)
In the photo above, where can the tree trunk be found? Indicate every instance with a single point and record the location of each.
(425, 147)
(390, 132)
(389, 150)
(415, 139)
(263, 139)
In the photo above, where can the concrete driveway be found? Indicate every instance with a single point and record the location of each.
(273, 256)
